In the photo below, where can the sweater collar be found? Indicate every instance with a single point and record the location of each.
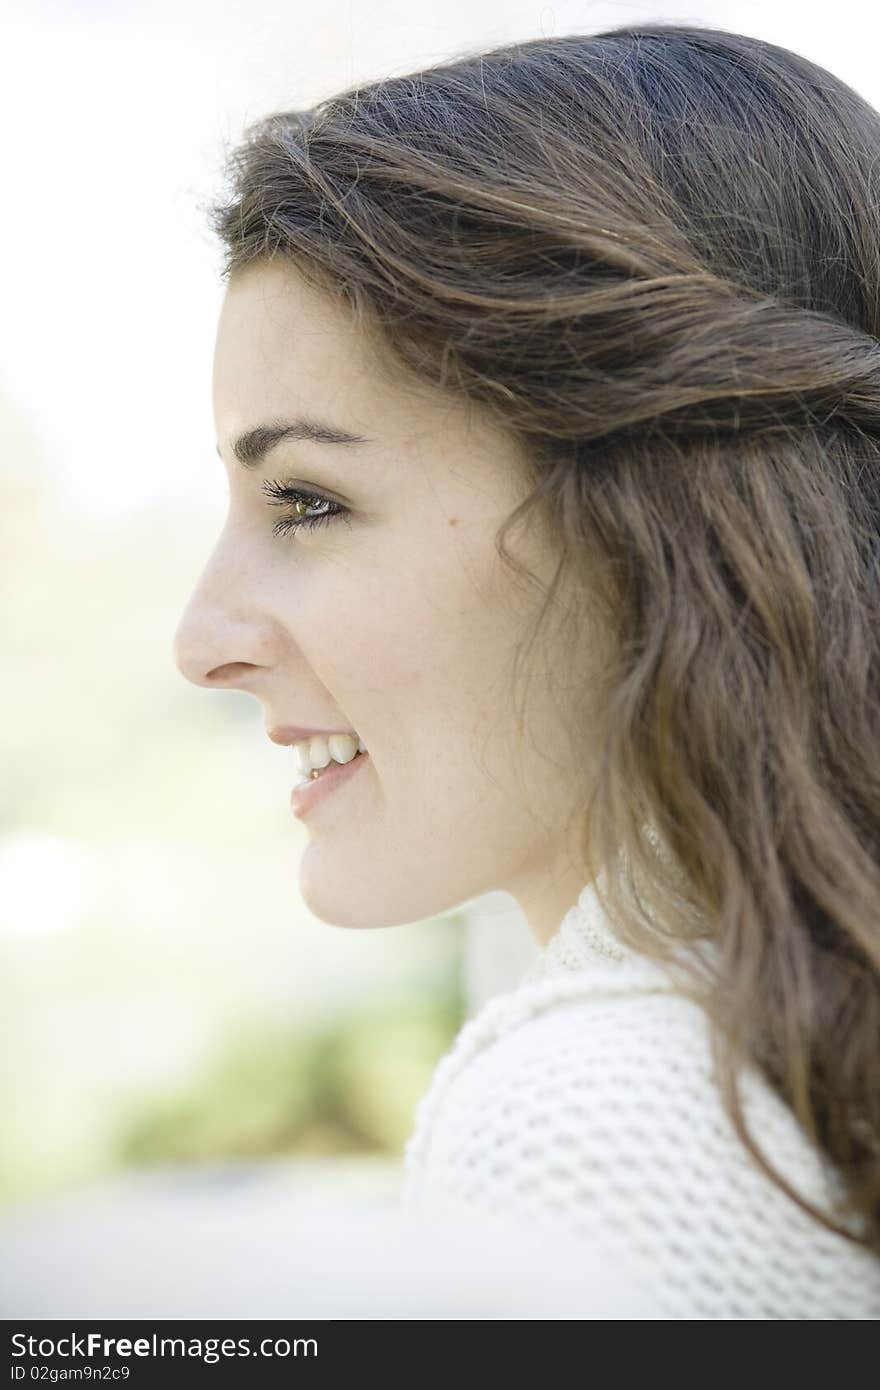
(585, 940)
(582, 940)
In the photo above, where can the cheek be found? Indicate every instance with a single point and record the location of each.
(396, 645)
(421, 631)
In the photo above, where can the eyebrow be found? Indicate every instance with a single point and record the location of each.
(252, 447)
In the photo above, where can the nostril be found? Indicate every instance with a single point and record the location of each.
(231, 671)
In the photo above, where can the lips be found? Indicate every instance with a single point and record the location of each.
(294, 733)
(306, 794)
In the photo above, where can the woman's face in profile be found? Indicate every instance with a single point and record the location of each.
(396, 620)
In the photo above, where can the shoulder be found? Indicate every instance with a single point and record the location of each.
(600, 1077)
(592, 1103)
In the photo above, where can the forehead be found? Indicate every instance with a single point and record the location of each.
(276, 336)
(284, 349)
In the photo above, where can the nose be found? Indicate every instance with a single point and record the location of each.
(222, 639)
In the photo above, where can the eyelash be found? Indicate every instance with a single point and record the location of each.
(282, 495)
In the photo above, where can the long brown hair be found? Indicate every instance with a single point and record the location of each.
(653, 256)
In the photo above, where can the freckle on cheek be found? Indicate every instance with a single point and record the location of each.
(453, 521)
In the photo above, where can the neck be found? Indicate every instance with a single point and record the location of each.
(546, 897)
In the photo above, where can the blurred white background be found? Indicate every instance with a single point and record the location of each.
(166, 996)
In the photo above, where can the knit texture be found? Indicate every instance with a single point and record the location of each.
(584, 1100)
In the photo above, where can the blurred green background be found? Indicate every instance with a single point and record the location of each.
(166, 997)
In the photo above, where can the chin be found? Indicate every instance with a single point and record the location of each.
(359, 900)
(340, 900)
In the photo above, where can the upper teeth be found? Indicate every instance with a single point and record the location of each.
(317, 752)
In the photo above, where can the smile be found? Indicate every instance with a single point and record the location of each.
(320, 782)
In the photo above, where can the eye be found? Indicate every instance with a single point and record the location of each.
(283, 495)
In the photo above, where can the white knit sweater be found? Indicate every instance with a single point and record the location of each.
(584, 1101)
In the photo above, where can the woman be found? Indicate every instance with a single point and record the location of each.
(560, 366)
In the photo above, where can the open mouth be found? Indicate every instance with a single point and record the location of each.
(321, 782)
(316, 772)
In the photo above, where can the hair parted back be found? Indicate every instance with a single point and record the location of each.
(651, 255)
